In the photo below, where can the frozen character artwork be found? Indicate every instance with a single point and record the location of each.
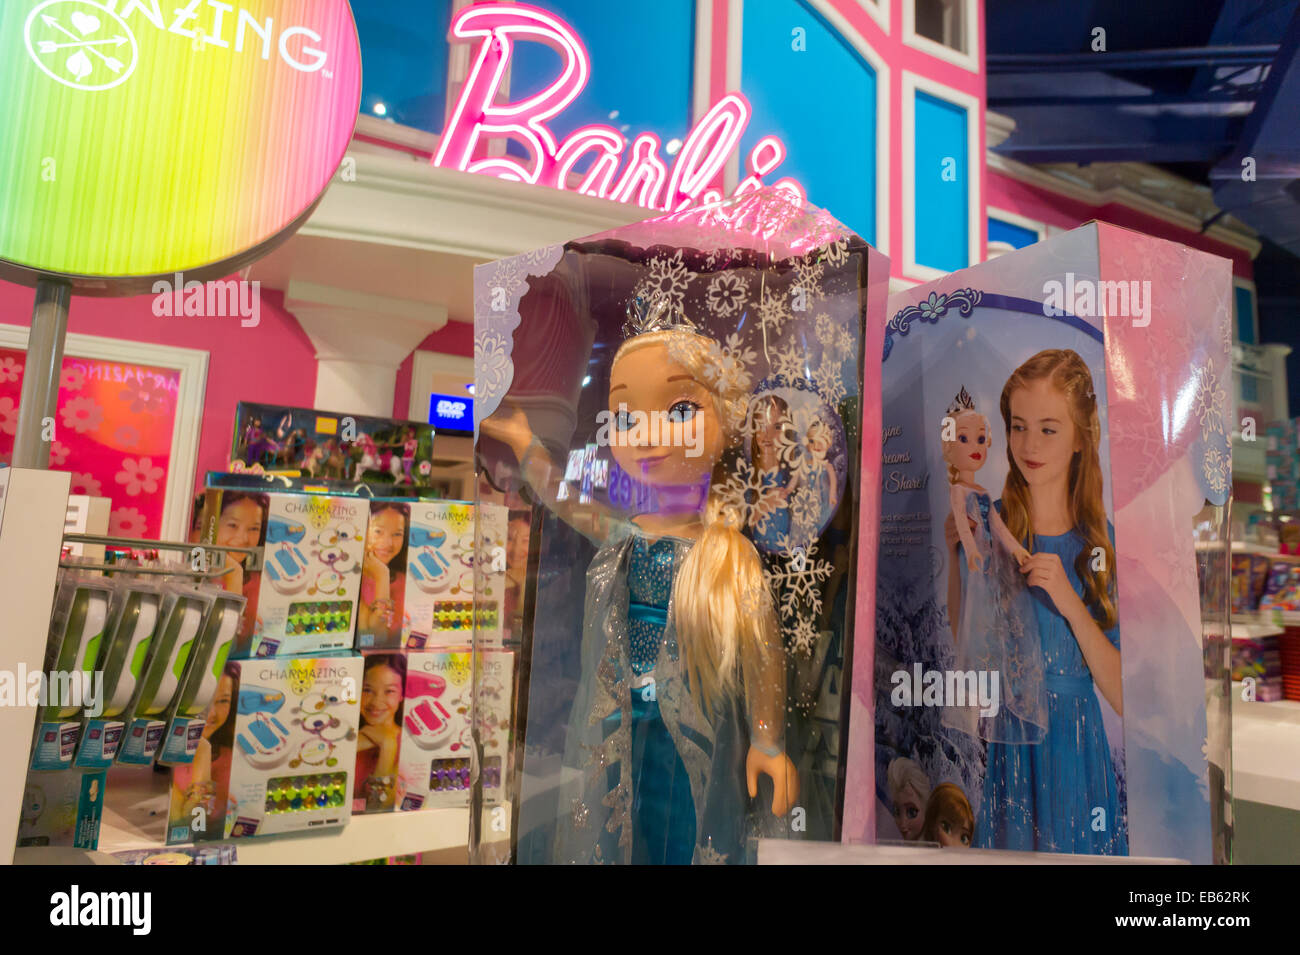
(1062, 794)
(909, 790)
(948, 818)
(677, 728)
(992, 616)
(769, 416)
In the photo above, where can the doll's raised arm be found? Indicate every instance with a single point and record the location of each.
(544, 475)
(957, 500)
(1003, 534)
(765, 694)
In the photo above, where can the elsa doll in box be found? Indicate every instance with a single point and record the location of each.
(681, 706)
(995, 628)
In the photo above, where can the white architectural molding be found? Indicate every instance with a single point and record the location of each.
(427, 369)
(360, 341)
(1119, 195)
(193, 367)
(997, 129)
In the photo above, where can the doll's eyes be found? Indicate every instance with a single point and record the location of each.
(912, 812)
(947, 829)
(682, 412)
(623, 421)
(981, 439)
(965, 839)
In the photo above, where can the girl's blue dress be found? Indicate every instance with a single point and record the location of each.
(1045, 797)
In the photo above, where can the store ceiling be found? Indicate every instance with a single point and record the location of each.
(1198, 85)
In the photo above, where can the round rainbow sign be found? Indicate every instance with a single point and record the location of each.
(143, 138)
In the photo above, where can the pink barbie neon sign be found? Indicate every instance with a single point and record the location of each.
(645, 180)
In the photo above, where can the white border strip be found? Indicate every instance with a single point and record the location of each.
(970, 22)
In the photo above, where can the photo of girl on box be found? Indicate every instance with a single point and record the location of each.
(205, 782)
(383, 685)
(383, 577)
(242, 523)
(1059, 793)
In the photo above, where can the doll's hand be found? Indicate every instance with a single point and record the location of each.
(785, 778)
(510, 425)
(974, 561)
(1021, 555)
(950, 535)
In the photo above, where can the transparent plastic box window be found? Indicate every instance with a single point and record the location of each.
(672, 413)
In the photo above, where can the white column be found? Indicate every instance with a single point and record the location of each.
(360, 341)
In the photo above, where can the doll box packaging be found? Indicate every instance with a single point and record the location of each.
(304, 597)
(281, 756)
(436, 742)
(1054, 421)
(418, 591)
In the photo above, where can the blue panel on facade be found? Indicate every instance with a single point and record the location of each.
(404, 60)
(821, 100)
(642, 68)
(1016, 236)
(1244, 302)
(941, 179)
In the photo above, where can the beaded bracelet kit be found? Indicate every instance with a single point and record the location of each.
(447, 550)
(435, 762)
(294, 747)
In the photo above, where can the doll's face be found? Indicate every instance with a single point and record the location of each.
(1043, 437)
(969, 449)
(665, 429)
(909, 813)
(386, 535)
(953, 833)
(240, 525)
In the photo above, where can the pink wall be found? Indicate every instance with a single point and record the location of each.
(454, 338)
(1066, 213)
(274, 362)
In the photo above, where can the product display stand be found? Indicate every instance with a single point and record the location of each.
(41, 380)
(253, 563)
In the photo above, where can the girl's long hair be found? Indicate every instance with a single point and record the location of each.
(725, 617)
(1069, 375)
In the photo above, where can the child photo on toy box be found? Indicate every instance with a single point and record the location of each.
(383, 689)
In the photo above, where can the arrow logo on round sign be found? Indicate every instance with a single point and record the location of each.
(69, 49)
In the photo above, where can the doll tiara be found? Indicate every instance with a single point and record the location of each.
(655, 314)
(963, 402)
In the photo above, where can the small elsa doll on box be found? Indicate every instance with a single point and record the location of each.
(995, 627)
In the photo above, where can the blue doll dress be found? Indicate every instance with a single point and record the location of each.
(1046, 797)
(648, 778)
(998, 634)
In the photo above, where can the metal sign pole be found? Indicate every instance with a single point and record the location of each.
(40, 395)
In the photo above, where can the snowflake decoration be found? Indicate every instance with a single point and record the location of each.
(541, 257)
(491, 366)
(805, 508)
(829, 379)
(755, 600)
(1210, 401)
(1216, 470)
(506, 274)
(835, 253)
(774, 310)
(844, 346)
(791, 362)
(824, 326)
(799, 581)
(751, 494)
(803, 636)
(728, 365)
(726, 295)
(808, 276)
(668, 277)
(792, 438)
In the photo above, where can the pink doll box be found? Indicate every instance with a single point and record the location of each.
(1148, 322)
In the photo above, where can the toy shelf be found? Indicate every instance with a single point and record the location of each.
(135, 818)
(1266, 751)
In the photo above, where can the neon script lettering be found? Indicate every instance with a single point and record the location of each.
(644, 179)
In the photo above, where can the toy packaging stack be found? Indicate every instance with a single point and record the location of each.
(1258, 659)
(304, 599)
(419, 576)
(436, 744)
(180, 855)
(281, 755)
(62, 809)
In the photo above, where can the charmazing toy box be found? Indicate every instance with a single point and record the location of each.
(418, 577)
(278, 754)
(304, 597)
(435, 753)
